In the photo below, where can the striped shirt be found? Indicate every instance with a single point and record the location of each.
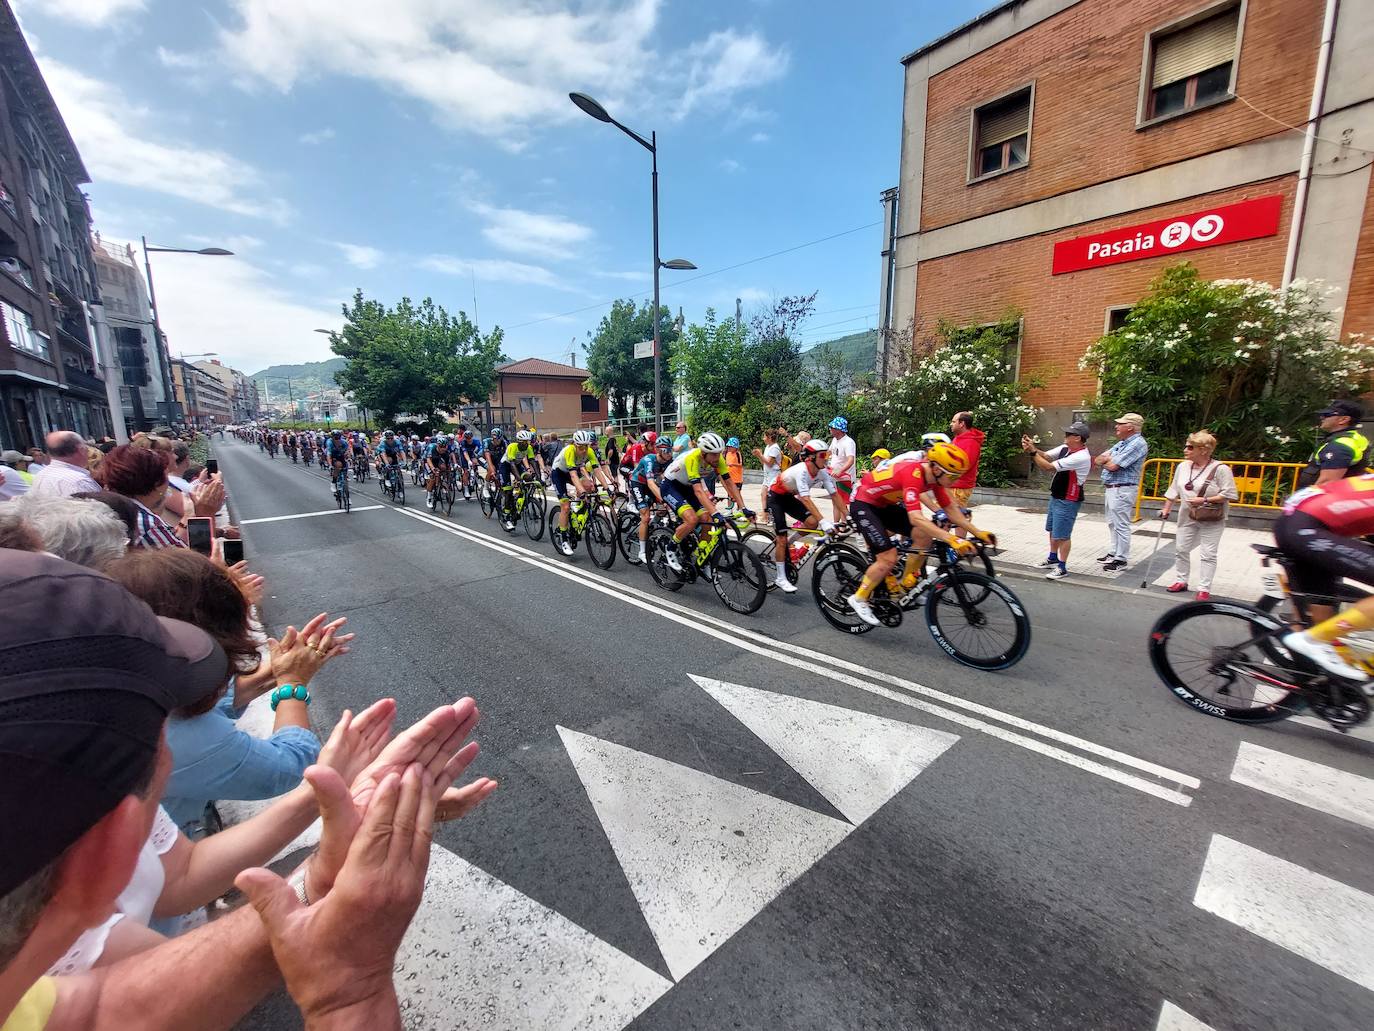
(153, 532)
(1129, 455)
(62, 479)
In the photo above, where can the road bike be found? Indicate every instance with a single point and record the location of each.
(360, 467)
(444, 494)
(1227, 659)
(291, 450)
(975, 619)
(588, 519)
(627, 529)
(341, 497)
(487, 494)
(802, 546)
(713, 551)
(523, 503)
(393, 483)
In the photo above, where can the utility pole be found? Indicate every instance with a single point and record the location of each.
(739, 315)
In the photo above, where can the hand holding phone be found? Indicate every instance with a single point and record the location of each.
(200, 534)
(211, 466)
(232, 550)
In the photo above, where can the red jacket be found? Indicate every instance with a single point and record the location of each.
(970, 442)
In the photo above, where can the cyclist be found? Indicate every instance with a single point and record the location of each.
(439, 460)
(790, 495)
(390, 452)
(643, 480)
(359, 445)
(686, 489)
(470, 451)
(634, 454)
(1319, 531)
(891, 499)
(519, 459)
(577, 466)
(336, 450)
(493, 449)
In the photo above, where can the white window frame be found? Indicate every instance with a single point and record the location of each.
(31, 341)
(973, 176)
(1142, 118)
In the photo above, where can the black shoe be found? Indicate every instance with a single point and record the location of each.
(1114, 565)
(1109, 557)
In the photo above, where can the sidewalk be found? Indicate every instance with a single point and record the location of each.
(1023, 542)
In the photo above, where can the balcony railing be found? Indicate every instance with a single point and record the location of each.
(83, 380)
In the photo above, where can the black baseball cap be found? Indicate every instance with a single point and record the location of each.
(88, 675)
(1078, 429)
(1343, 407)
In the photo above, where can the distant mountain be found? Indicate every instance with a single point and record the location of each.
(860, 350)
(304, 379)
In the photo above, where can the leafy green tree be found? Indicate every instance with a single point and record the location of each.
(1245, 360)
(723, 363)
(414, 358)
(614, 371)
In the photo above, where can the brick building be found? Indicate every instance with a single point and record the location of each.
(548, 395)
(1057, 155)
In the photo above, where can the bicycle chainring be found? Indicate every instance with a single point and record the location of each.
(1349, 709)
(888, 612)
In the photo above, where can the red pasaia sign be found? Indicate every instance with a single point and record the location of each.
(1230, 223)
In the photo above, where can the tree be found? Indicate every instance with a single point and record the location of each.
(614, 371)
(1246, 360)
(414, 358)
(722, 363)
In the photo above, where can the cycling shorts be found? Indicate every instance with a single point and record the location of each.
(678, 495)
(507, 471)
(877, 525)
(640, 495)
(562, 483)
(1320, 557)
(780, 506)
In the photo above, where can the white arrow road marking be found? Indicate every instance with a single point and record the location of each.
(702, 855)
(481, 954)
(1308, 783)
(1171, 1018)
(856, 760)
(1320, 919)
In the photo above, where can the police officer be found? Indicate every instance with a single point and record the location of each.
(1343, 450)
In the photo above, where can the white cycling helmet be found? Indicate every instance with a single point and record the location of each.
(523, 436)
(711, 443)
(815, 447)
(583, 437)
(934, 438)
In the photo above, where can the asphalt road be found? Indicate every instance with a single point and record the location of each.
(757, 821)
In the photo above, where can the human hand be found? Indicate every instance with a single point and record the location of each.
(207, 496)
(986, 536)
(357, 740)
(962, 546)
(435, 743)
(299, 655)
(328, 966)
(251, 585)
(1164, 512)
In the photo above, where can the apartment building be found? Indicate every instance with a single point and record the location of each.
(1057, 155)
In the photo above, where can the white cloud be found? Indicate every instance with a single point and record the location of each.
(360, 256)
(494, 270)
(185, 61)
(107, 127)
(318, 136)
(90, 13)
(498, 67)
(760, 137)
(528, 232)
(628, 277)
(753, 295)
(729, 165)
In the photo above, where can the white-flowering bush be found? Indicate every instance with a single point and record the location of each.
(1246, 360)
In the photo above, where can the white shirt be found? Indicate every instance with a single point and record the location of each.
(797, 479)
(772, 453)
(62, 479)
(840, 451)
(11, 483)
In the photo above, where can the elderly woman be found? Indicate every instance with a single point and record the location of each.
(85, 532)
(1204, 489)
(141, 475)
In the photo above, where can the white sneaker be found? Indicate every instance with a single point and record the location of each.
(863, 610)
(566, 548)
(1324, 655)
(1057, 573)
(674, 563)
(1047, 563)
(785, 585)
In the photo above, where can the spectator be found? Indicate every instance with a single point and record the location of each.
(16, 532)
(82, 532)
(211, 758)
(612, 452)
(179, 467)
(969, 440)
(770, 458)
(683, 441)
(12, 485)
(123, 507)
(1205, 487)
(19, 462)
(66, 473)
(840, 462)
(1121, 467)
(140, 475)
(734, 463)
(1071, 465)
(39, 456)
(1343, 450)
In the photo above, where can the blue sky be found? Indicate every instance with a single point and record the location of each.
(412, 146)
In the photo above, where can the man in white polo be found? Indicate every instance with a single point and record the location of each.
(66, 474)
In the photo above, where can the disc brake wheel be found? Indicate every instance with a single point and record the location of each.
(627, 535)
(660, 541)
(533, 517)
(600, 536)
(836, 574)
(977, 620)
(738, 577)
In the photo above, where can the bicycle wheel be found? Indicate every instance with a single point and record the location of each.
(761, 543)
(660, 541)
(839, 571)
(556, 535)
(398, 488)
(977, 620)
(484, 499)
(347, 501)
(1224, 659)
(627, 535)
(600, 536)
(533, 516)
(449, 496)
(737, 576)
(506, 515)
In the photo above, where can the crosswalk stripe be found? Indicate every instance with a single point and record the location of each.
(1320, 787)
(1171, 1018)
(1320, 919)
(479, 953)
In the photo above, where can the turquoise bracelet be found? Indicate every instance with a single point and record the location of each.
(286, 692)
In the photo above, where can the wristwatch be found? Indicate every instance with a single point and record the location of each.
(287, 692)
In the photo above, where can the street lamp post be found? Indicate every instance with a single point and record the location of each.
(163, 353)
(594, 108)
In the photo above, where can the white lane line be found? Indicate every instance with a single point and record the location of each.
(740, 639)
(703, 856)
(858, 761)
(1319, 918)
(1364, 732)
(659, 602)
(1308, 783)
(309, 515)
(479, 953)
(1171, 1018)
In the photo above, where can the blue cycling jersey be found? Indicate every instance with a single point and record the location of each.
(337, 450)
(390, 447)
(648, 468)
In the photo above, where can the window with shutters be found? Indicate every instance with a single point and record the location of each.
(1001, 134)
(1191, 67)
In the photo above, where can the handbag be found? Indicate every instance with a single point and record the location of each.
(1208, 513)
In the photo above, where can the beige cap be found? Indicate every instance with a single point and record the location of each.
(1138, 421)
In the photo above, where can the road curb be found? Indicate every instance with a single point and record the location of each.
(1032, 573)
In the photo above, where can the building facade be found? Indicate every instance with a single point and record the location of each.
(547, 395)
(1057, 155)
(204, 399)
(142, 390)
(51, 375)
(240, 390)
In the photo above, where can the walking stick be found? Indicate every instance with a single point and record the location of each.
(1159, 535)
